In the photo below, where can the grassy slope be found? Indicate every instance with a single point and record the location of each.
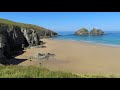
(9, 22)
(38, 72)
(31, 72)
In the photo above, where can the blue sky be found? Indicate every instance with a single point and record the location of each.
(67, 21)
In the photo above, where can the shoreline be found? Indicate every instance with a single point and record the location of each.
(88, 42)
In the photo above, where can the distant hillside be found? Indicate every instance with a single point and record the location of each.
(23, 25)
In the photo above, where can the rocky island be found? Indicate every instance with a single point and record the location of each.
(15, 36)
(94, 31)
(82, 31)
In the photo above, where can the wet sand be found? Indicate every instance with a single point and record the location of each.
(76, 57)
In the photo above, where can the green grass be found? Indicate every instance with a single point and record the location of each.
(39, 72)
(31, 26)
(32, 72)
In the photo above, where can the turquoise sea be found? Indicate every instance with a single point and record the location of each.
(111, 38)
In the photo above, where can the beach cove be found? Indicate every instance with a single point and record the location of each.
(76, 57)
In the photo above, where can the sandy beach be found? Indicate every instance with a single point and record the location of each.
(76, 57)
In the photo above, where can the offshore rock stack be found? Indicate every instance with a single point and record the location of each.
(94, 31)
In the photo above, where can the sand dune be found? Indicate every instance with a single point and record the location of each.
(77, 57)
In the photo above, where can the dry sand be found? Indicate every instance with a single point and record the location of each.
(76, 57)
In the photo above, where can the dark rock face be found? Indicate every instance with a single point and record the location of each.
(2, 57)
(82, 31)
(33, 36)
(4, 49)
(96, 32)
(13, 38)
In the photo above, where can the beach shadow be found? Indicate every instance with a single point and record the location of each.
(40, 46)
(15, 61)
(17, 53)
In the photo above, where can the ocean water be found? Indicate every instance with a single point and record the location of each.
(111, 38)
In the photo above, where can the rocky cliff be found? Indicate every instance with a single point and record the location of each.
(15, 36)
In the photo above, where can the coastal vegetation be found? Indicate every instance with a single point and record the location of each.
(22, 25)
(40, 72)
(32, 72)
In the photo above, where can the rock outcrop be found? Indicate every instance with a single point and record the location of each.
(14, 38)
(96, 32)
(82, 31)
(33, 36)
